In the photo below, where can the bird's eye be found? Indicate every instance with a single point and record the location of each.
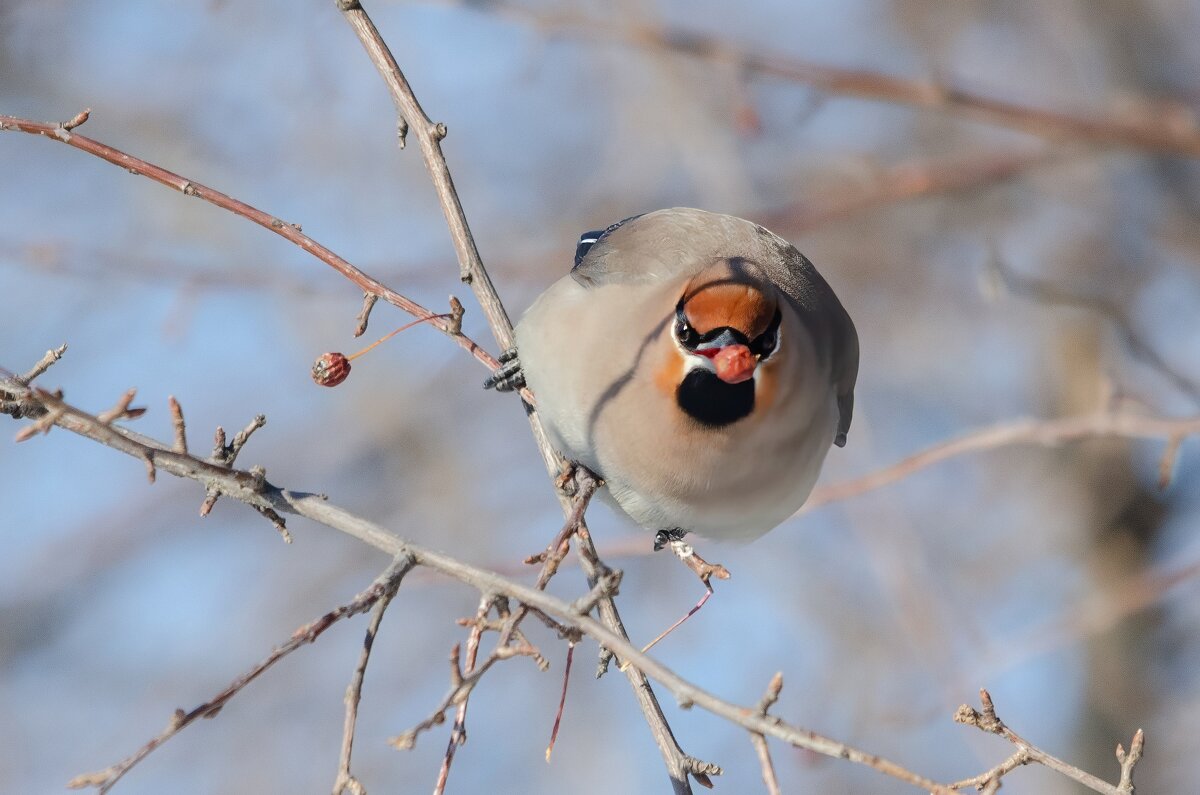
(687, 336)
(764, 345)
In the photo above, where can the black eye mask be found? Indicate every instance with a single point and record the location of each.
(761, 346)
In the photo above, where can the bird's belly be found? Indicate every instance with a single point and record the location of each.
(729, 486)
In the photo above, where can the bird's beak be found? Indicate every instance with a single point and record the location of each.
(733, 363)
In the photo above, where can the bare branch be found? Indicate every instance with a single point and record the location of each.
(291, 232)
(1047, 433)
(429, 136)
(364, 314)
(1128, 761)
(345, 780)
(986, 720)
(179, 425)
(46, 362)
(387, 582)
(458, 734)
(770, 781)
(472, 271)
(121, 410)
(254, 491)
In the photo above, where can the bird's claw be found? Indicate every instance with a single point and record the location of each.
(664, 537)
(508, 376)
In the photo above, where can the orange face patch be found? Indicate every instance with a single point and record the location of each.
(766, 388)
(670, 372)
(719, 302)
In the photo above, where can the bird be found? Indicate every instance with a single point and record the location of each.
(697, 363)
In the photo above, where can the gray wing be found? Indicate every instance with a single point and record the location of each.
(597, 261)
(658, 246)
(826, 317)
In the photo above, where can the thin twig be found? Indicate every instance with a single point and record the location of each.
(178, 424)
(510, 627)
(44, 364)
(291, 232)
(471, 270)
(458, 734)
(1046, 433)
(364, 314)
(121, 410)
(345, 779)
(770, 781)
(1128, 761)
(389, 580)
(233, 483)
(562, 701)
(905, 181)
(987, 721)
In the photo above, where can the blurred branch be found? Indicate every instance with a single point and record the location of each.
(79, 261)
(1047, 433)
(1165, 127)
(915, 179)
(1050, 294)
(233, 483)
(62, 133)
(1094, 614)
(472, 271)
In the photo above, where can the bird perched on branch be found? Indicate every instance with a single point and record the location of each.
(696, 362)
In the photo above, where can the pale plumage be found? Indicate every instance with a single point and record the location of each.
(699, 364)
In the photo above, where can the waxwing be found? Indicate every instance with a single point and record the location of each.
(696, 362)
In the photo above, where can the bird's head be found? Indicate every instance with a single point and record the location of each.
(726, 325)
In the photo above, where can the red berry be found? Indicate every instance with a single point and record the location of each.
(331, 369)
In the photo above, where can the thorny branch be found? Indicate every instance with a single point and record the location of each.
(231, 482)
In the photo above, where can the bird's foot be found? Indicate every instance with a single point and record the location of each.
(565, 481)
(508, 376)
(668, 536)
(702, 568)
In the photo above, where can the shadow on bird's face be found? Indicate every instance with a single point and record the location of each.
(724, 324)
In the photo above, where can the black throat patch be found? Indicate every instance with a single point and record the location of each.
(712, 402)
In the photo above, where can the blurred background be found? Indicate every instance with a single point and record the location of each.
(995, 272)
